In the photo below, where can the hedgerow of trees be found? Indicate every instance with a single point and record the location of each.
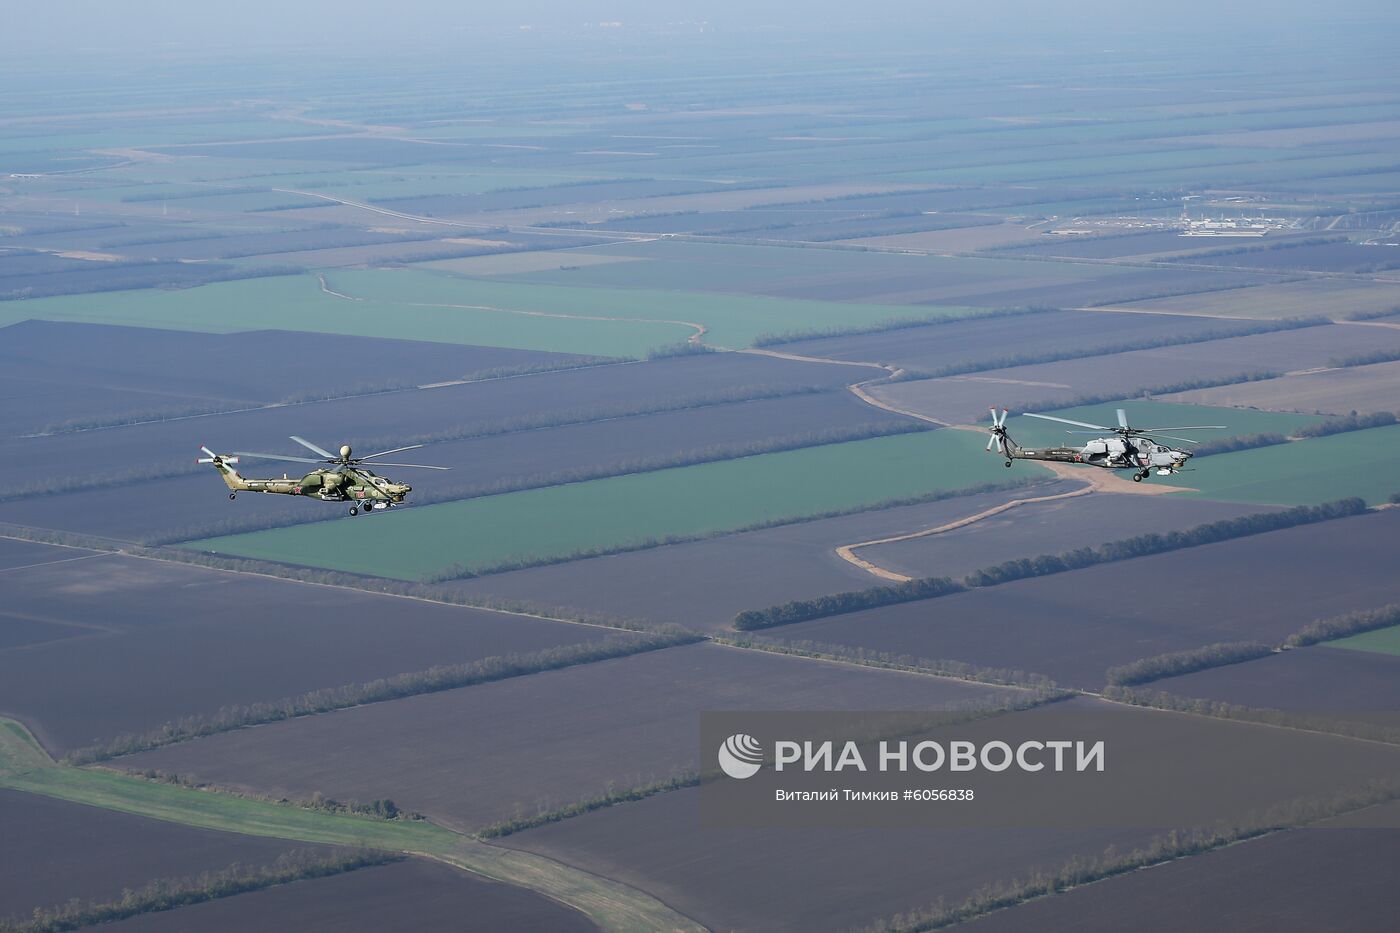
(168, 894)
(1138, 546)
(432, 680)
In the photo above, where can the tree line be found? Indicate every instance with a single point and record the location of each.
(802, 610)
(1176, 663)
(168, 894)
(1080, 870)
(432, 680)
(903, 323)
(610, 796)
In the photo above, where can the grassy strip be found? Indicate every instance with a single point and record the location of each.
(1185, 662)
(432, 680)
(25, 766)
(1142, 545)
(611, 796)
(460, 572)
(1177, 844)
(169, 894)
(888, 661)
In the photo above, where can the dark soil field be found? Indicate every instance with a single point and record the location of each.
(1072, 626)
(763, 878)
(142, 642)
(472, 756)
(1049, 385)
(1046, 528)
(16, 554)
(587, 394)
(262, 243)
(1314, 679)
(703, 584)
(1335, 391)
(1322, 257)
(194, 506)
(996, 340)
(54, 850)
(414, 895)
(466, 204)
(57, 373)
(1105, 247)
(1293, 882)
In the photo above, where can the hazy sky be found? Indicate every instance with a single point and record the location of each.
(131, 26)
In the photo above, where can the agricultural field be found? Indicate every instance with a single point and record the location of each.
(760, 568)
(55, 850)
(1300, 879)
(434, 898)
(702, 316)
(190, 505)
(67, 375)
(794, 879)
(1045, 625)
(299, 302)
(1320, 679)
(992, 342)
(1045, 528)
(1383, 641)
(1364, 389)
(625, 512)
(158, 640)
(1318, 469)
(383, 420)
(431, 746)
(1046, 386)
(1336, 298)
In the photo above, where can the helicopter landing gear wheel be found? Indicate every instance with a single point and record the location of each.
(354, 510)
(233, 495)
(1007, 464)
(1138, 477)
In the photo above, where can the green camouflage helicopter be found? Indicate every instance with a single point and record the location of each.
(345, 480)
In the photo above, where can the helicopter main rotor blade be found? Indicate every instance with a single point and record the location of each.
(1183, 427)
(313, 448)
(1122, 418)
(1080, 424)
(416, 466)
(249, 453)
(390, 451)
(1173, 437)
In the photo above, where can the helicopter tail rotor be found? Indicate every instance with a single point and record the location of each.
(216, 459)
(999, 439)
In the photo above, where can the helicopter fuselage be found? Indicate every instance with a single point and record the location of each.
(1111, 453)
(341, 484)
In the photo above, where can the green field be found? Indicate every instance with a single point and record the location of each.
(627, 511)
(296, 302)
(1358, 463)
(1033, 432)
(1381, 641)
(731, 321)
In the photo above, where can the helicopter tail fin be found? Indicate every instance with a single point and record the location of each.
(221, 463)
